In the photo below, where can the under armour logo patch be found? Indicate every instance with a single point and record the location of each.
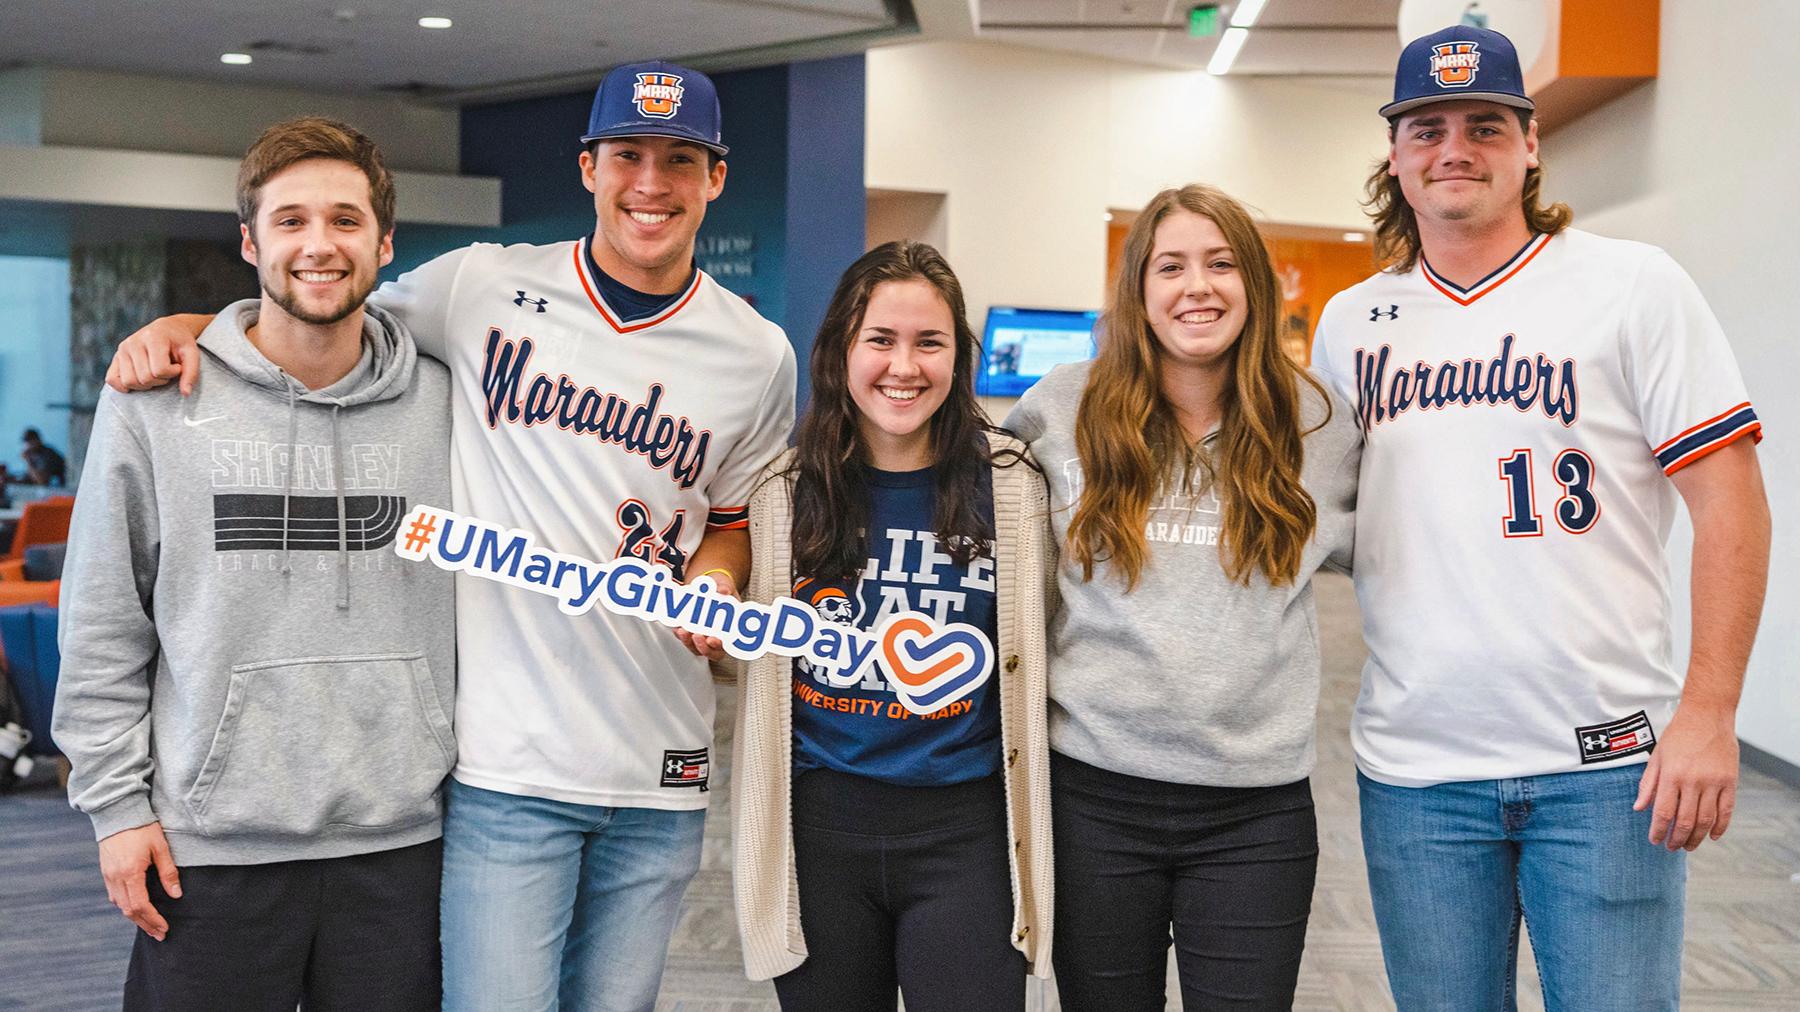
(1616, 739)
(685, 768)
(523, 299)
(1375, 312)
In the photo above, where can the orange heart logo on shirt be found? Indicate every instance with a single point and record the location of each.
(932, 666)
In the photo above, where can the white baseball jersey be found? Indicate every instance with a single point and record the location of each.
(1515, 504)
(601, 439)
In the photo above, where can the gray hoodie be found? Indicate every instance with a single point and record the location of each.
(244, 657)
(1189, 678)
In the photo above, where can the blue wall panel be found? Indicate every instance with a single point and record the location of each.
(826, 206)
(743, 242)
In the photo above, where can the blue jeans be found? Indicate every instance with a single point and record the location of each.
(1452, 868)
(549, 904)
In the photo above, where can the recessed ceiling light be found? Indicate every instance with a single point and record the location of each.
(434, 22)
(1227, 51)
(1245, 13)
(235, 59)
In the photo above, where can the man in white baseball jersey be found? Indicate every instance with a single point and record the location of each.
(1533, 399)
(612, 399)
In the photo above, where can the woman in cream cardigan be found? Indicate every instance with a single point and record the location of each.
(879, 850)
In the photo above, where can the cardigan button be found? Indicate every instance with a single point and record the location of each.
(1012, 664)
(1012, 757)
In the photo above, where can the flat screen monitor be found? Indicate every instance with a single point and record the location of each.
(1019, 346)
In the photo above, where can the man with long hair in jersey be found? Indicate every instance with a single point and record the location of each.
(1534, 399)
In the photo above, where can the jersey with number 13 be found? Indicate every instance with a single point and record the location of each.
(1515, 502)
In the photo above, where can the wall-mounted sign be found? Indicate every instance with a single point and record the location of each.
(732, 255)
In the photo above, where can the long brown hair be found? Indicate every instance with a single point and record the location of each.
(1397, 228)
(1131, 444)
(831, 497)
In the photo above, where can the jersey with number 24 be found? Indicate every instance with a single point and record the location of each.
(602, 438)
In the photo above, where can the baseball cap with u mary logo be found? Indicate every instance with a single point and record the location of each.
(1458, 62)
(656, 99)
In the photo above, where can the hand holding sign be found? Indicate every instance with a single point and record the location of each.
(930, 666)
(701, 645)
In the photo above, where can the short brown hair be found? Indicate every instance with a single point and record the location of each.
(297, 140)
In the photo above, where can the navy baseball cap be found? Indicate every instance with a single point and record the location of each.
(1461, 61)
(656, 99)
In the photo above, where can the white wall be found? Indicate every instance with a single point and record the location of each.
(1033, 147)
(94, 109)
(34, 353)
(905, 214)
(64, 176)
(1701, 162)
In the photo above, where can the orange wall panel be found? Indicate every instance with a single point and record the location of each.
(1311, 271)
(1609, 38)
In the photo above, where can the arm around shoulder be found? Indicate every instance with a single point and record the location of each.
(164, 349)
(421, 298)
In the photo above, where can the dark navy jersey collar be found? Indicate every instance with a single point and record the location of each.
(630, 304)
(1491, 274)
(1499, 276)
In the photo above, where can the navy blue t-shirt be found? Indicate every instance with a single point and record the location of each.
(629, 303)
(863, 729)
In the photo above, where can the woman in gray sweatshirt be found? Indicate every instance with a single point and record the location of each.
(1198, 478)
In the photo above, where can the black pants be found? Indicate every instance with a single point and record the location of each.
(1230, 867)
(344, 933)
(902, 887)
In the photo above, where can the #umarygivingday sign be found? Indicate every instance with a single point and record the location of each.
(928, 665)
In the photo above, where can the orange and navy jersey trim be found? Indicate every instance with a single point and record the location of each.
(1713, 434)
(592, 288)
(728, 518)
(1467, 296)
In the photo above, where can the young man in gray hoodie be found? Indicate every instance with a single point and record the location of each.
(255, 690)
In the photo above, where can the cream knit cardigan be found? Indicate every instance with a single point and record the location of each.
(766, 885)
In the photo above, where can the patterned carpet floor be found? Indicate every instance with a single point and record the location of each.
(63, 948)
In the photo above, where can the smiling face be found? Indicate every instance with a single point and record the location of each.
(1193, 293)
(901, 364)
(315, 241)
(650, 195)
(1463, 163)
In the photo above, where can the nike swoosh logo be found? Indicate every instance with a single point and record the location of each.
(199, 421)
